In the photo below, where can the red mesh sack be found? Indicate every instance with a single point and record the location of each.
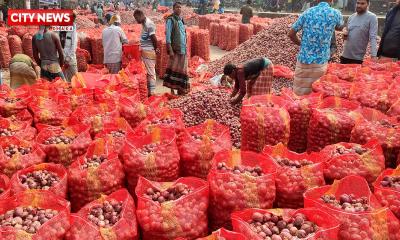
(185, 217)
(300, 110)
(376, 223)
(17, 161)
(19, 129)
(133, 111)
(15, 43)
(346, 72)
(375, 125)
(344, 159)
(245, 32)
(283, 71)
(154, 156)
(96, 45)
(231, 192)
(19, 31)
(27, 45)
(198, 144)
(374, 95)
(222, 233)
(4, 187)
(328, 225)
(233, 37)
(124, 229)
(50, 111)
(223, 40)
(61, 152)
(94, 115)
(82, 58)
(13, 101)
(115, 132)
(5, 54)
(162, 58)
(294, 177)
(78, 97)
(163, 117)
(55, 228)
(330, 123)
(264, 121)
(59, 188)
(388, 196)
(88, 182)
(23, 116)
(213, 34)
(203, 44)
(136, 73)
(331, 85)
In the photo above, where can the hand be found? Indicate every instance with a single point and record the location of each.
(374, 59)
(171, 53)
(234, 101)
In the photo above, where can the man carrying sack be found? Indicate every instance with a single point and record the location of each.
(148, 45)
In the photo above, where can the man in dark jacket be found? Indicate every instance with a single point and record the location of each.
(390, 42)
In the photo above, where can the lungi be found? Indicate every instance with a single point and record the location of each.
(176, 74)
(263, 83)
(21, 74)
(305, 75)
(113, 68)
(149, 60)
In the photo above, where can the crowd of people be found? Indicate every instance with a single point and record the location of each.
(54, 53)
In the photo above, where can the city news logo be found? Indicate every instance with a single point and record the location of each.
(57, 19)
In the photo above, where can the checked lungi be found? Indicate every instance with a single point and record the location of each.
(305, 75)
(263, 83)
(176, 74)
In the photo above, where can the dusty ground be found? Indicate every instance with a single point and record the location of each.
(215, 53)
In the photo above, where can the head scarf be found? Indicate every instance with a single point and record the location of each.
(115, 19)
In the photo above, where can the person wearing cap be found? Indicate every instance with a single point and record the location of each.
(113, 38)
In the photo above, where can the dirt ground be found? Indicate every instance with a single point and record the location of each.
(215, 53)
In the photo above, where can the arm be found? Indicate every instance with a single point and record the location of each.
(235, 89)
(153, 37)
(373, 30)
(297, 26)
(122, 36)
(35, 51)
(57, 42)
(168, 31)
(340, 24)
(293, 36)
(242, 87)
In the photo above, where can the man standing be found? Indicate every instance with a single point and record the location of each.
(148, 45)
(247, 12)
(318, 24)
(390, 42)
(362, 27)
(48, 53)
(176, 77)
(113, 37)
(69, 41)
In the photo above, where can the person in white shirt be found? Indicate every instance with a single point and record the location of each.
(70, 45)
(113, 38)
